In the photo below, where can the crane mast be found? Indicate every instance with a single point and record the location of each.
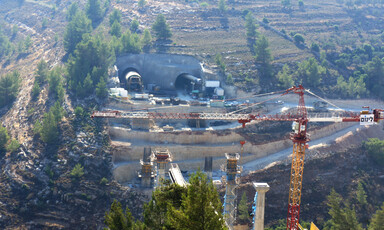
(299, 138)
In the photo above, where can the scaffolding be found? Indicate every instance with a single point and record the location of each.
(162, 157)
(232, 169)
(146, 174)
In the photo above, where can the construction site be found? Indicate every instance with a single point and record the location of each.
(164, 127)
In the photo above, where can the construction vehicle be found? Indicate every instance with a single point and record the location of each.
(299, 135)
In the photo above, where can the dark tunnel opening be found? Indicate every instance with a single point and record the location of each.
(188, 83)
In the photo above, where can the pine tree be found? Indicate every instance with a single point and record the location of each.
(377, 221)
(251, 27)
(57, 111)
(134, 26)
(243, 208)
(88, 85)
(94, 11)
(101, 89)
(49, 132)
(263, 56)
(72, 10)
(4, 137)
(75, 30)
(200, 208)
(77, 172)
(35, 90)
(361, 195)
(341, 218)
(115, 16)
(285, 79)
(222, 6)
(115, 29)
(41, 74)
(161, 28)
(9, 88)
(147, 39)
(117, 219)
(155, 212)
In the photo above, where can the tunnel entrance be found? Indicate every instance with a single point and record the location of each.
(188, 83)
(131, 80)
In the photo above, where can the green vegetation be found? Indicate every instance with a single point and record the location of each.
(342, 216)
(311, 72)
(265, 20)
(220, 63)
(141, 3)
(301, 4)
(205, 5)
(13, 145)
(315, 47)
(173, 207)
(55, 80)
(9, 88)
(104, 181)
(130, 43)
(147, 39)
(134, 26)
(89, 65)
(251, 27)
(229, 79)
(41, 74)
(286, 3)
(77, 172)
(375, 149)
(4, 137)
(117, 219)
(35, 90)
(352, 88)
(79, 112)
(285, 78)
(115, 29)
(161, 28)
(76, 28)
(243, 208)
(299, 39)
(264, 57)
(6, 47)
(94, 11)
(72, 10)
(222, 6)
(200, 206)
(115, 16)
(377, 221)
(49, 131)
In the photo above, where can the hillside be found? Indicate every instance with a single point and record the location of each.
(39, 188)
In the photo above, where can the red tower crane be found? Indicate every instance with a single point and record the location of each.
(299, 136)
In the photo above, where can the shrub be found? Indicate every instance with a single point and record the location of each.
(375, 149)
(103, 181)
(13, 146)
(77, 172)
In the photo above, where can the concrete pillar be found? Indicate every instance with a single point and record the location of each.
(146, 174)
(208, 167)
(261, 189)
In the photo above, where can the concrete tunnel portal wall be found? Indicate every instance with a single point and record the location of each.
(168, 71)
